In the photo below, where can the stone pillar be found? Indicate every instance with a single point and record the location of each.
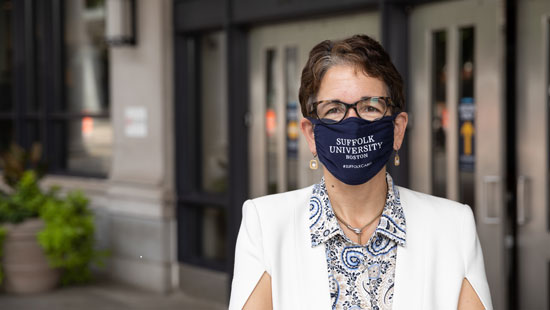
(140, 216)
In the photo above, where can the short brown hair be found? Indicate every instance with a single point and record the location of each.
(359, 50)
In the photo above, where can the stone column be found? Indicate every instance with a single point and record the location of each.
(140, 204)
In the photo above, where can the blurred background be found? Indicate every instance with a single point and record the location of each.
(170, 113)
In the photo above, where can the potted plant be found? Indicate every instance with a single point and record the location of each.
(24, 265)
(44, 237)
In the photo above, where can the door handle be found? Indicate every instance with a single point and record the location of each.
(521, 192)
(490, 215)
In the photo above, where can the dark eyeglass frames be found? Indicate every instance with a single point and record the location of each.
(367, 108)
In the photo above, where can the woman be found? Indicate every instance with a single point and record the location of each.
(355, 240)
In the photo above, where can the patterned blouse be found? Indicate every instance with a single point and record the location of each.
(360, 277)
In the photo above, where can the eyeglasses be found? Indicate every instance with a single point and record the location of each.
(367, 108)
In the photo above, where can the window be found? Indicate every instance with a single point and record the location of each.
(203, 150)
(271, 120)
(292, 126)
(214, 146)
(82, 118)
(466, 117)
(213, 114)
(440, 114)
(6, 75)
(59, 94)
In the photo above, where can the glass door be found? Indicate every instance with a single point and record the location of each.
(457, 120)
(279, 157)
(533, 151)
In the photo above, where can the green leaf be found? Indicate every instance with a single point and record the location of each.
(68, 237)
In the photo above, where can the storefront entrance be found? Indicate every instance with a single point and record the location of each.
(533, 154)
(457, 65)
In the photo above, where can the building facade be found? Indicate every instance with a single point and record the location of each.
(169, 136)
(104, 117)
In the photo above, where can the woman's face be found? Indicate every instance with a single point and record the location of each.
(349, 84)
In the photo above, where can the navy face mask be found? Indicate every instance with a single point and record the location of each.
(354, 150)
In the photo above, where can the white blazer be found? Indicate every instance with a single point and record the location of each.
(442, 248)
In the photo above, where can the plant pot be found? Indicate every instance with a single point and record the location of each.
(26, 268)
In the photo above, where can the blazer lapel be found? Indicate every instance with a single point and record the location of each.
(410, 269)
(311, 263)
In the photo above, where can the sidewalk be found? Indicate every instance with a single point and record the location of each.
(104, 296)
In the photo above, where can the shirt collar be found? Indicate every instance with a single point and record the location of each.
(323, 224)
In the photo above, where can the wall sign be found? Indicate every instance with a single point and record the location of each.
(135, 122)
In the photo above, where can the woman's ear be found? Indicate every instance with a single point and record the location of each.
(399, 129)
(307, 130)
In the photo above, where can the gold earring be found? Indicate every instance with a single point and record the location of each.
(396, 160)
(313, 164)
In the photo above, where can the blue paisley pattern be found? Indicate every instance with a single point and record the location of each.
(360, 277)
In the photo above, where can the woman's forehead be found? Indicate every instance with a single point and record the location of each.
(349, 83)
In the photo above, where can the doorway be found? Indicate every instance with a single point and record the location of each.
(533, 153)
(456, 86)
(279, 156)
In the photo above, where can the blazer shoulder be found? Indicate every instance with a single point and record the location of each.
(431, 207)
(282, 202)
(274, 211)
